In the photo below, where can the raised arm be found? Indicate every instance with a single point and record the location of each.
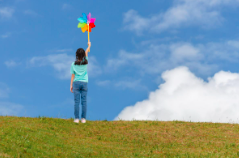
(87, 50)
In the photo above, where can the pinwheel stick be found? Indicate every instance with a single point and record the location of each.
(89, 34)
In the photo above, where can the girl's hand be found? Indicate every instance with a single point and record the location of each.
(71, 89)
(89, 44)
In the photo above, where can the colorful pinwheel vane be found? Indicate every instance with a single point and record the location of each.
(86, 23)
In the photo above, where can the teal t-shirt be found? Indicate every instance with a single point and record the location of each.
(80, 72)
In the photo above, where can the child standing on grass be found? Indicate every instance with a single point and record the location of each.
(79, 81)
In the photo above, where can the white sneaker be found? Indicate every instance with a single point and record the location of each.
(76, 120)
(83, 120)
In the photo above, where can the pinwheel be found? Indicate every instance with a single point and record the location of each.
(86, 23)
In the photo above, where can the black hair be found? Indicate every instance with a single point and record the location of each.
(81, 57)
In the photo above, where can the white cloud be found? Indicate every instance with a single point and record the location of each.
(134, 22)
(6, 12)
(62, 63)
(123, 59)
(183, 13)
(155, 58)
(7, 108)
(234, 44)
(11, 63)
(225, 51)
(204, 59)
(186, 97)
(182, 52)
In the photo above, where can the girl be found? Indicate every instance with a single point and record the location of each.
(79, 80)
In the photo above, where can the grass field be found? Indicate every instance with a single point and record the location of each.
(52, 137)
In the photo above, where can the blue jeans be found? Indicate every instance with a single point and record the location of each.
(80, 92)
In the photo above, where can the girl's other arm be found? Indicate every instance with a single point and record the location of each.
(72, 79)
(87, 50)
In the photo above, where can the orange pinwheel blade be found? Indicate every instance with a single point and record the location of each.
(85, 28)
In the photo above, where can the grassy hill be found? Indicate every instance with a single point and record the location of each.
(52, 137)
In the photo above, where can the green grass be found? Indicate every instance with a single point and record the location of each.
(52, 137)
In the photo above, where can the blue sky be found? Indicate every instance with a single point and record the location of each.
(133, 43)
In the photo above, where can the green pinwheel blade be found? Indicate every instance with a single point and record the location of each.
(80, 25)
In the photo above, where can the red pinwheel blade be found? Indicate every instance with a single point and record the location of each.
(92, 25)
